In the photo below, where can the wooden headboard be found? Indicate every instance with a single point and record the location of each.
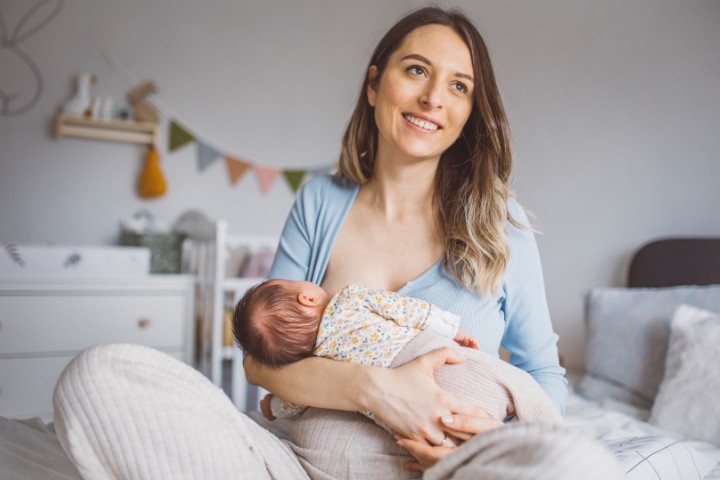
(676, 261)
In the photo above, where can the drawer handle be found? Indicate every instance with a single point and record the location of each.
(144, 322)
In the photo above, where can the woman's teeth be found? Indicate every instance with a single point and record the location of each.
(420, 123)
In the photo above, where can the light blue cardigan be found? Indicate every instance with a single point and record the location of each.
(516, 317)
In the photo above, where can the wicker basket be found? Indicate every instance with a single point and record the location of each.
(165, 249)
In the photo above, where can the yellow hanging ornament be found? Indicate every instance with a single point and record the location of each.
(152, 181)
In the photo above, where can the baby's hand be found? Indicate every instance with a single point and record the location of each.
(265, 407)
(465, 340)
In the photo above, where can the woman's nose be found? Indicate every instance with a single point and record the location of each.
(432, 96)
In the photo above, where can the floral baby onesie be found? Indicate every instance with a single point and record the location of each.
(370, 326)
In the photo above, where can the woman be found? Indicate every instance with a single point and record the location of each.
(422, 207)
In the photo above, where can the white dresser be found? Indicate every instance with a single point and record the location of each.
(45, 322)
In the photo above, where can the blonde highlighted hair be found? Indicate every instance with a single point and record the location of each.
(471, 183)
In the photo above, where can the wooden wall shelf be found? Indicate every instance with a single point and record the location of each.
(110, 130)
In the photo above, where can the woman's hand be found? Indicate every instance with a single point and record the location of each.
(409, 401)
(461, 427)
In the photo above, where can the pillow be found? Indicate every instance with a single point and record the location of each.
(659, 457)
(627, 336)
(687, 402)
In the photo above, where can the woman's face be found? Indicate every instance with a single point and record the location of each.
(424, 96)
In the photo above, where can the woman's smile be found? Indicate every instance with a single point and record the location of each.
(421, 122)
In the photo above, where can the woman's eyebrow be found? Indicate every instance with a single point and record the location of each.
(420, 58)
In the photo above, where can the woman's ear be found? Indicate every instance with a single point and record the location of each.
(307, 300)
(372, 85)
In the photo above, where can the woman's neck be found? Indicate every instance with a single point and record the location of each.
(400, 190)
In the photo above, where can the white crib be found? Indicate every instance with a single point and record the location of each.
(208, 255)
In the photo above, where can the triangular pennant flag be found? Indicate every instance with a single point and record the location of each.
(206, 155)
(179, 137)
(266, 176)
(236, 169)
(294, 178)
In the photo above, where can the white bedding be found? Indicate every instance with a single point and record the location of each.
(621, 426)
(24, 447)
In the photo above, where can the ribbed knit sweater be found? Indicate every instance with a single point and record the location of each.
(515, 317)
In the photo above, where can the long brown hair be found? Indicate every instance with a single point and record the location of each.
(471, 182)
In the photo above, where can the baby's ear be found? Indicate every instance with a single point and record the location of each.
(305, 299)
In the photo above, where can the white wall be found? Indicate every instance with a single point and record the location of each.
(615, 109)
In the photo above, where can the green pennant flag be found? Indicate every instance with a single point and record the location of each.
(294, 178)
(179, 137)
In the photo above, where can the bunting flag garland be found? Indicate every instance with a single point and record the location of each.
(294, 178)
(179, 136)
(236, 169)
(206, 155)
(266, 176)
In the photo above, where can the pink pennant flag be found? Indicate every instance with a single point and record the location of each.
(266, 176)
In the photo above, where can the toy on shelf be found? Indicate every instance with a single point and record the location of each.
(81, 103)
(144, 111)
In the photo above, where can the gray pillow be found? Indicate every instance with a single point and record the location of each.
(687, 402)
(627, 338)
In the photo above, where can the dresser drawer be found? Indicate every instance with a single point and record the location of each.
(27, 385)
(68, 323)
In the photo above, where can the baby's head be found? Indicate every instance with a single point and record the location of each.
(277, 321)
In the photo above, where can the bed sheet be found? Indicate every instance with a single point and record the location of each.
(29, 450)
(612, 421)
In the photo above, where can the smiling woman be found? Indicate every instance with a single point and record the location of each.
(421, 206)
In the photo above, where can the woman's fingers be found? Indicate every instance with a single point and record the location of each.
(438, 358)
(412, 402)
(425, 455)
(465, 426)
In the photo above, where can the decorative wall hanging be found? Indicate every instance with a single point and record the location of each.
(21, 83)
(179, 135)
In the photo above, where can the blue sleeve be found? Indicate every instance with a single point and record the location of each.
(292, 258)
(529, 335)
(307, 239)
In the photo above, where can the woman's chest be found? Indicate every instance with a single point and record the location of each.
(482, 315)
(380, 255)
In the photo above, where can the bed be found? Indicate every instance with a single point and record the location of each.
(641, 393)
(628, 397)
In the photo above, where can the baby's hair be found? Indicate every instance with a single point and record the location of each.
(272, 326)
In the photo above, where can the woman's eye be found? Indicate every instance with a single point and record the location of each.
(460, 87)
(416, 70)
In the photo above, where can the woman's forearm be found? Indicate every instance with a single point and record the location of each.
(405, 398)
(316, 382)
